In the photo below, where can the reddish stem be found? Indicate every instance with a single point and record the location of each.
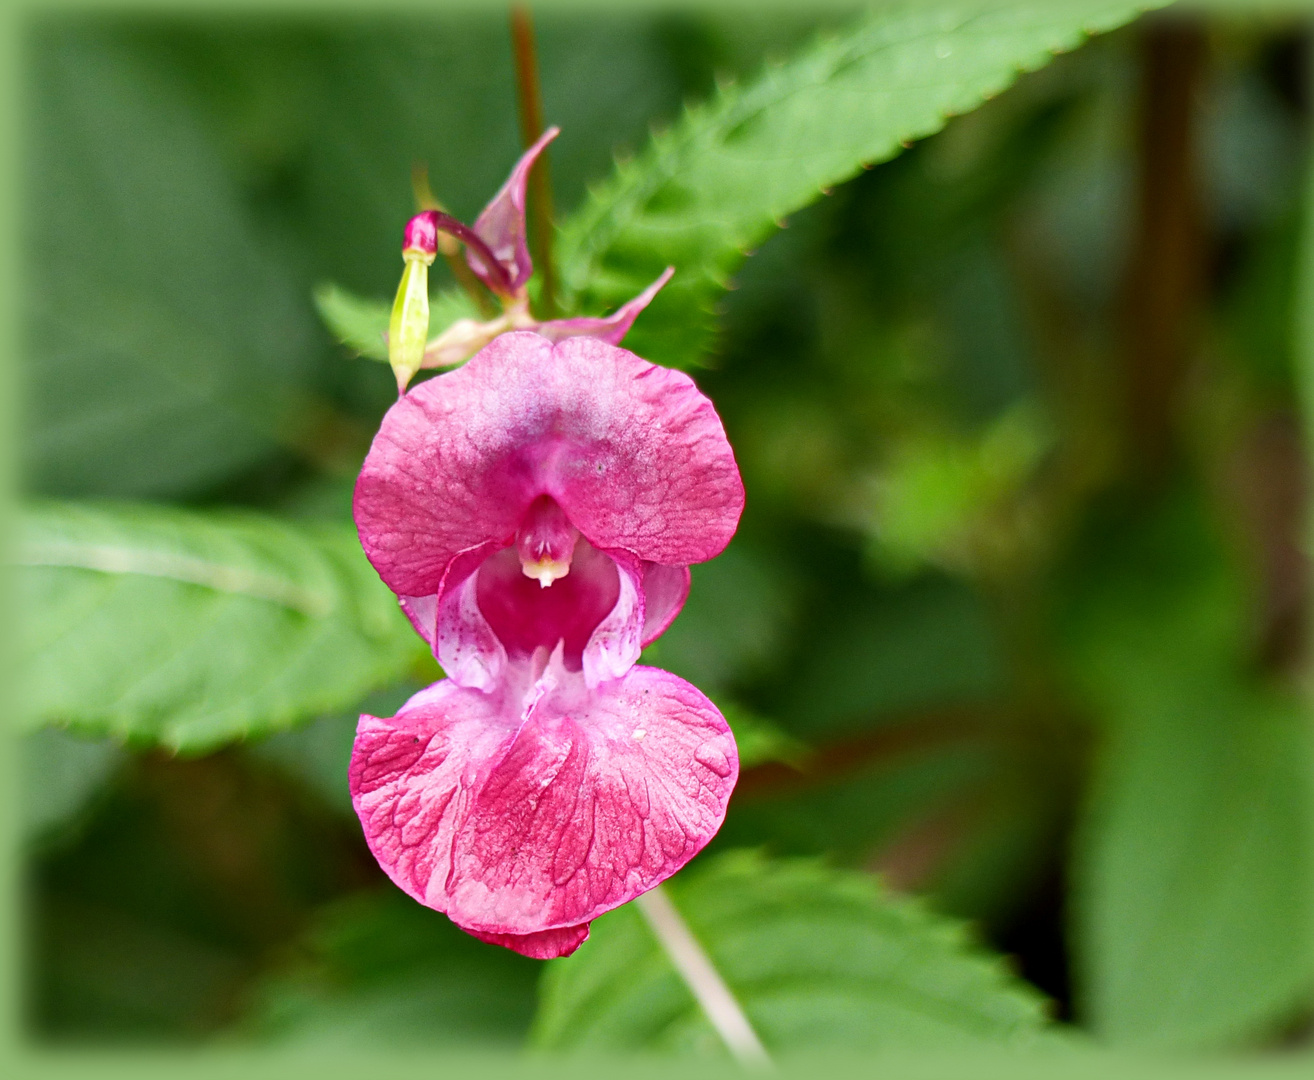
(531, 127)
(1167, 273)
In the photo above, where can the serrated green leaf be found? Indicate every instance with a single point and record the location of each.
(379, 970)
(818, 958)
(190, 629)
(356, 322)
(704, 193)
(361, 324)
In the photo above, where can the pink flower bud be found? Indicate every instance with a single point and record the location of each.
(421, 234)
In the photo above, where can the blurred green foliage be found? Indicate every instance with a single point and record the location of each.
(378, 968)
(1017, 614)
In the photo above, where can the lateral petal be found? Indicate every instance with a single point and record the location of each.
(665, 589)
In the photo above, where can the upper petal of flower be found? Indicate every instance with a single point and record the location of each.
(502, 224)
(518, 820)
(465, 337)
(633, 453)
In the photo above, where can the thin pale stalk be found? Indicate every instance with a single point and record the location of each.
(703, 980)
(530, 99)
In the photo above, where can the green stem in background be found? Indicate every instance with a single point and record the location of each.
(703, 980)
(530, 100)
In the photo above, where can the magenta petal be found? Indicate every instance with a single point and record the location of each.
(611, 329)
(412, 778)
(545, 945)
(502, 224)
(516, 819)
(665, 589)
(633, 453)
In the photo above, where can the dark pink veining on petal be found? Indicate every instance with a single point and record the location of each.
(519, 823)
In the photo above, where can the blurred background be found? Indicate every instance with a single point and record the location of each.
(1017, 614)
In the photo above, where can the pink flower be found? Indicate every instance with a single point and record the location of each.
(497, 251)
(536, 511)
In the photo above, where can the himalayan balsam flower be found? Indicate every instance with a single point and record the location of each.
(536, 511)
(498, 253)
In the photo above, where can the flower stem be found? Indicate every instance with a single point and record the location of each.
(530, 100)
(703, 980)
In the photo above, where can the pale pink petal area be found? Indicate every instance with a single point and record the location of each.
(616, 642)
(466, 645)
(518, 819)
(459, 342)
(633, 453)
(545, 945)
(502, 224)
(611, 329)
(423, 613)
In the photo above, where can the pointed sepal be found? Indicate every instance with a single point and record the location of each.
(501, 226)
